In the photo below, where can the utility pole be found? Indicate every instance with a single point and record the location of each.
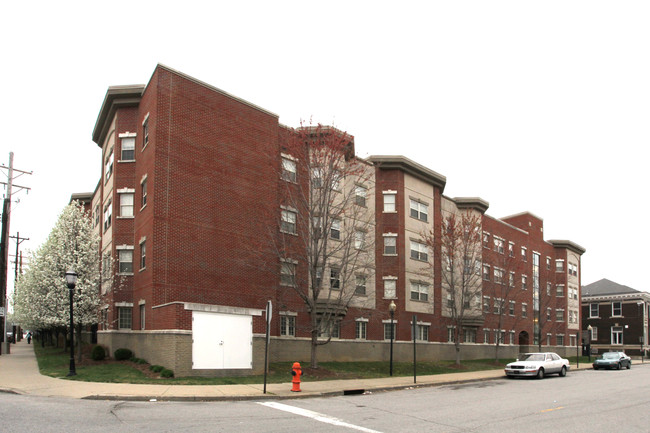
(19, 240)
(4, 247)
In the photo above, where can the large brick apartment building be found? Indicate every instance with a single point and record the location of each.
(190, 184)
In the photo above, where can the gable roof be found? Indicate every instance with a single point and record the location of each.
(606, 287)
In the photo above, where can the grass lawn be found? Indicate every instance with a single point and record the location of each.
(55, 362)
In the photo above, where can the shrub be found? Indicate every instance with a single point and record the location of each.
(98, 353)
(123, 354)
(156, 368)
(141, 361)
(167, 373)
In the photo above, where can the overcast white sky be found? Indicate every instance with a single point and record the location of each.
(532, 106)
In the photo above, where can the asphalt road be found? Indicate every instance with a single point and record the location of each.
(585, 401)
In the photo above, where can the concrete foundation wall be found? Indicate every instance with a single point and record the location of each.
(173, 350)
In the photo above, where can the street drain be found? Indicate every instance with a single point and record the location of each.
(353, 391)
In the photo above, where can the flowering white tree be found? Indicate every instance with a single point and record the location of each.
(41, 299)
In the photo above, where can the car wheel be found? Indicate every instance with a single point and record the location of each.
(563, 372)
(618, 366)
(629, 365)
(540, 373)
(595, 368)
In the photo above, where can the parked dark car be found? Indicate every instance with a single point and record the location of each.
(615, 360)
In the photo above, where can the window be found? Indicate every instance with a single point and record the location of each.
(451, 334)
(287, 274)
(288, 223)
(548, 288)
(419, 251)
(511, 249)
(288, 169)
(559, 266)
(336, 180)
(617, 309)
(486, 304)
(419, 210)
(143, 192)
(548, 263)
(559, 315)
(469, 335)
(389, 331)
(128, 149)
(335, 229)
(389, 201)
(512, 337)
(125, 259)
(511, 279)
(390, 288)
(524, 310)
(359, 239)
(142, 317)
(319, 277)
(390, 244)
(125, 319)
(108, 215)
(617, 335)
(361, 330)
(486, 272)
(593, 310)
(360, 287)
(511, 308)
(97, 215)
(108, 166)
(560, 340)
(559, 290)
(548, 338)
(524, 282)
(145, 131)
(106, 265)
(317, 177)
(498, 276)
(573, 316)
(498, 245)
(360, 193)
(335, 278)
(422, 332)
(126, 204)
(524, 254)
(143, 255)
(329, 328)
(594, 333)
(497, 305)
(287, 325)
(573, 269)
(499, 336)
(419, 291)
(486, 240)
(549, 314)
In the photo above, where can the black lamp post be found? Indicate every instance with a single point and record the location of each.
(590, 329)
(391, 308)
(71, 281)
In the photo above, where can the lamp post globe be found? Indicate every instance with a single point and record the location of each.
(71, 281)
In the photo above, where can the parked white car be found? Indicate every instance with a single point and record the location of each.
(538, 365)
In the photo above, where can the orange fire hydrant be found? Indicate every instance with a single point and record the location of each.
(296, 372)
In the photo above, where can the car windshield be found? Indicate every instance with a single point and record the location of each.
(532, 357)
(610, 355)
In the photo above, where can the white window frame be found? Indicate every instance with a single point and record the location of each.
(390, 287)
(390, 201)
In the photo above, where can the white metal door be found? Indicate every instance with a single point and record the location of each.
(221, 340)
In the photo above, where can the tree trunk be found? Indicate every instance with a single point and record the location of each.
(496, 352)
(457, 347)
(314, 345)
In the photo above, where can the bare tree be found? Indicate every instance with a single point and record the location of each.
(326, 225)
(459, 243)
(503, 287)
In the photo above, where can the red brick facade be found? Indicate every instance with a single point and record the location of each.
(210, 166)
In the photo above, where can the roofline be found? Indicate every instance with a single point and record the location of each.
(611, 296)
(563, 243)
(215, 89)
(401, 162)
(116, 97)
(522, 213)
(476, 203)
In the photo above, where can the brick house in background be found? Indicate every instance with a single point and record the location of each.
(190, 185)
(617, 315)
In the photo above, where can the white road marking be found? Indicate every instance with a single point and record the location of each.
(316, 416)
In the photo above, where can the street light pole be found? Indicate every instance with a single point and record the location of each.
(71, 281)
(392, 308)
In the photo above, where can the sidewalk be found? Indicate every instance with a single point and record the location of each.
(19, 374)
